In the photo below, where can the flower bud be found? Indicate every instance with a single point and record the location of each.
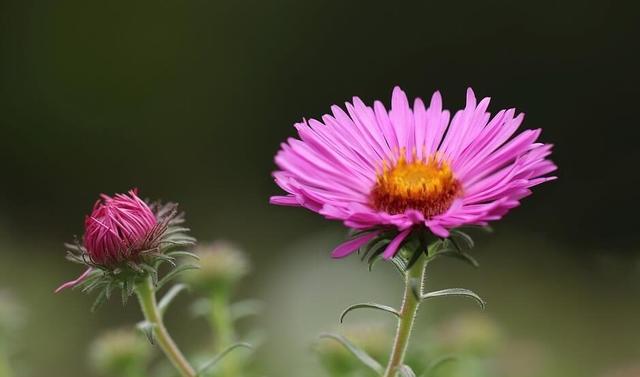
(119, 352)
(471, 333)
(222, 265)
(11, 315)
(118, 228)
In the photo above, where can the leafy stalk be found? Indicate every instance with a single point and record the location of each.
(221, 321)
(147, 297)
(408, 310)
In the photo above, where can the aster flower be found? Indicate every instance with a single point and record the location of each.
(410, 168)
(125, 242)
(125, 239)
(405, 181)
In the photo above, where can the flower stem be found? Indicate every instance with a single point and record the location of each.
(222, 325)
(410, 304)
(5, 370)
(149, 305)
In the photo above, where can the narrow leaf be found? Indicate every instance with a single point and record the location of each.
(147, 328)
(437, 363)
(246, 308)
(173, 273)
(455, 292)
(369, 305)
(220, 356)
(406, 371)
(169, 296)
(357, 352)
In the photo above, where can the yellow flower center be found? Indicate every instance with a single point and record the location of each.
(427, 186)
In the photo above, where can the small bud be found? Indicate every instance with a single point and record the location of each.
(222, 265)
(125, 240)
(118, 229)
(119, 353)
(472, 333)
(11, 315)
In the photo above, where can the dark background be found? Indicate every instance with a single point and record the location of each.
(189, 100)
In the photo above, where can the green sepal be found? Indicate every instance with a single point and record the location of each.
(369, 305)
(360, 354)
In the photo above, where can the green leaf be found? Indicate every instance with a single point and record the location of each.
(201, 307)
(357, 352)
(406, 371)
(246, 308)
(169, 296)
(369, 305)
(174, 273)
(220, 356)
(454, 292)
(147, 329)
(437, 363)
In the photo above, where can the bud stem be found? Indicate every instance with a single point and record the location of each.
(5, 370)
(410, 304)
(222, 323)
(147, 297)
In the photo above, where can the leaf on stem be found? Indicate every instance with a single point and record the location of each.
(369, 305)
(455, 292)
(173, 273)
(170, 296)
(147, 329)
(437, 363)
(209, 364)
(406, 371)
(357, 352)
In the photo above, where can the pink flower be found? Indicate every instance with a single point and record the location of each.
(118, 228)
(411, 167)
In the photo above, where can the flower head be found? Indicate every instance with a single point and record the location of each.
(118, 228)
(410, 167)
(222, 265)
(124, 239)
(119, 352)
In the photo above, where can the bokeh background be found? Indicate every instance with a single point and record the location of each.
(189, 100)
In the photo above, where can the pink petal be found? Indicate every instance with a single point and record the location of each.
(350, 246)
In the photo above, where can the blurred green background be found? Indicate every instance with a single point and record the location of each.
(189, 100)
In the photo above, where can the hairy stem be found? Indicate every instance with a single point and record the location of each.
(410, 304)
(222, 324)
(149, 305)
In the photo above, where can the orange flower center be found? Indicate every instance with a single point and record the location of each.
(427, 186)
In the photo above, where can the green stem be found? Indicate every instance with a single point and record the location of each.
(149, 305)
(222, 324)
(5, 370)
(410, 304)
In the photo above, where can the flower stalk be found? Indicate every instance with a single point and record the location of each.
(407, 315)
(221, 322)
(148, 303)
(5, 370)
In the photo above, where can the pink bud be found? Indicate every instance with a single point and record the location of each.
(118, 228)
